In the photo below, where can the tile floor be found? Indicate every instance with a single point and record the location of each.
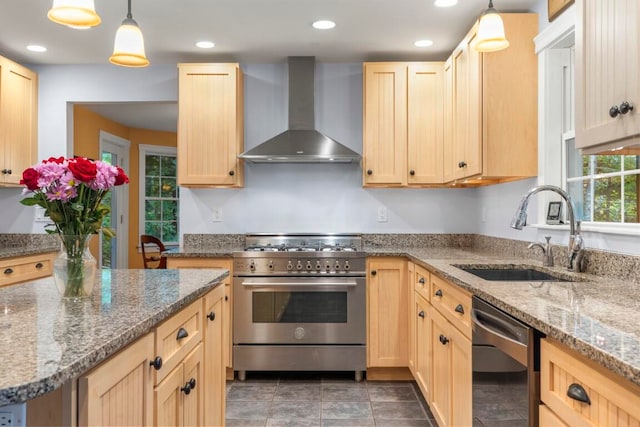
(323, 399)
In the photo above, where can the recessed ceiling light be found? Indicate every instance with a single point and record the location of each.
(205, 44)
(445, 3)
(324, 25)
(36, 48)
(422, 43)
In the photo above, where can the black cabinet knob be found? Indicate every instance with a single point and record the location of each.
(373, 272)
(421, 281)
(577, 392)
(9, 171)
(439, 293)
(460, 309)
(462, 164)
(614, 111)
(186, 389)
(421, 314)
(231, 173)
(192, 383)
(412, 172)
(39, 265)
(211, 316)
(624, 108)
(226, 297)
(182, 333)
(444, 340)
(156, 363)
(4, 171)
(8, 270)
(369, 172)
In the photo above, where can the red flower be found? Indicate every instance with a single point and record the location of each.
(30, 179)
(58, 160)
(82, 169)
(122, 177)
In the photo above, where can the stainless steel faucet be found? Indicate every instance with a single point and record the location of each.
(547, 253)
(576, 244)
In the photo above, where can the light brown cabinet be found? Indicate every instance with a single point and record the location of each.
(606, 79)
(215, 355)
(387, 320)
(18, 121)
(210, 125)
(578, 392)
(423, 361)
(491, 103)
(19, 269)
(402, 124)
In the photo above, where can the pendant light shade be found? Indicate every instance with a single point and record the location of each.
(128, 48)
(491, 35)
(74, 13)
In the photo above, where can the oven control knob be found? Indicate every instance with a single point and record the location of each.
(346, 265)
(299, 333)
(289, 266)
(309, 265)
(328, 267)
(318, 266)
(337, 266)
(270, 265)
(299, 266)
(252, 266)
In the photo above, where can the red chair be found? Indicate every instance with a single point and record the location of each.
(152, 258)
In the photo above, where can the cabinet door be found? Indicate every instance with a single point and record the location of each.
(210, 125)
(440, 393)
(168, 404)
(461, 378)
(387, 295)
(421, 315)
(448, 150)
(607, 63)
(214, 354)
(193, 413)
(425, 123)
(385, 124)
(411, 362)
(119, 391)
(18, 120)
(467, 109)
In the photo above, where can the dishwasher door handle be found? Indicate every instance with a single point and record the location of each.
(492, 328)
(307, 285)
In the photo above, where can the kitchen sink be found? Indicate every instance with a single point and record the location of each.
(507, 273)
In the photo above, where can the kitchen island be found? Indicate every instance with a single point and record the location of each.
(48, 341)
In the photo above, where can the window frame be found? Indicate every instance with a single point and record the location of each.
(143, 151)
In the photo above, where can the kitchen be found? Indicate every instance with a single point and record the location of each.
(302, 197)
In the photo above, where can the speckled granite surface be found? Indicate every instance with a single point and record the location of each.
(47, 341)
(12, 245)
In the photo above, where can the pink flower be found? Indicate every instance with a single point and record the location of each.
(105, 176)
(50, 172)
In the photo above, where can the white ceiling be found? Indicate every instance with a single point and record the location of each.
(248, 31)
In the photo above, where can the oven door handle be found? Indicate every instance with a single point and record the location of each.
(493, 330)
(255, 284)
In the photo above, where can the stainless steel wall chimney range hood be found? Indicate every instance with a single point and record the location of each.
(301, 143)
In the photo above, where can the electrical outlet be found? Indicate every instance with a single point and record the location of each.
(382, 214)
(216, 216)
(6, 419)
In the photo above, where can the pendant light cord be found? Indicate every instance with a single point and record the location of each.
(129, 16)
(490, 4)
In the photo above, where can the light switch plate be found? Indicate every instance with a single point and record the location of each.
(383, 214)
(216, 216)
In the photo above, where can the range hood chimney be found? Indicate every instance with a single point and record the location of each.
(301, 143)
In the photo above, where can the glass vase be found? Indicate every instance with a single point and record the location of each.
(74, 270)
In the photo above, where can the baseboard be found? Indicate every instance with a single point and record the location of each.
(389, 374)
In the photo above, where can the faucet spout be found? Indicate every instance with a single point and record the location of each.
(576, 244)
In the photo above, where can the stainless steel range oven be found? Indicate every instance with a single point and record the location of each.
(299, 304)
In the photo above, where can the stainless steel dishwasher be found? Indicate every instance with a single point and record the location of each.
(506, 368)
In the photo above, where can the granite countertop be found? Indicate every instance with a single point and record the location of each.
(47, 340)
(597, 316)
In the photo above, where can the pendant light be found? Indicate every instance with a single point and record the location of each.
(491, 31)
(128, 49)
(74, 13)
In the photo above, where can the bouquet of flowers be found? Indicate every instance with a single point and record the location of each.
(71, 192)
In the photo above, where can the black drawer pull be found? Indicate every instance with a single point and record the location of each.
(8, 270)
(373, 272)
(421, 314)
(460, 309)
(39, 265)
(182, 333)
(577, 392)
(156, 363)
(226, 297)
(211, 316)
(444, 340)
(439, 293)
(421, 281)
(369, 172)
(231, 173)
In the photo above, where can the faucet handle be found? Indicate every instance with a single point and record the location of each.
(548, 238)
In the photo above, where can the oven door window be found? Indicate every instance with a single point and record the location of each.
(299, 307)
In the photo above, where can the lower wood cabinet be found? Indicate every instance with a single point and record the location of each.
(387, 320)
(423, 361)
(20, 269)
(578, 392)
(215, 353)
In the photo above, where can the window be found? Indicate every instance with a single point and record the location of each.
(159, 201)
(604, 187)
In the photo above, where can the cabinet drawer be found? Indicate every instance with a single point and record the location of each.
(15, 270)
(172, 345)
(613, 400)
(423, 282)
(453, 303)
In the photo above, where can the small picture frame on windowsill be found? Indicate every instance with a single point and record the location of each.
(556, 7)
(554, 213)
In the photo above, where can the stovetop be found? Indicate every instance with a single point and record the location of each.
(317, 242)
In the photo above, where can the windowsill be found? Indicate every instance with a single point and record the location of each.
(619, 229)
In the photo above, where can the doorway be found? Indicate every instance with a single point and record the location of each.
(113, 253)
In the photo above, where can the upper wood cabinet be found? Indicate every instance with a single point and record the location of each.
(402, 123)
(491, 99)
(607, 62)
(210, 125)
(18, 121)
